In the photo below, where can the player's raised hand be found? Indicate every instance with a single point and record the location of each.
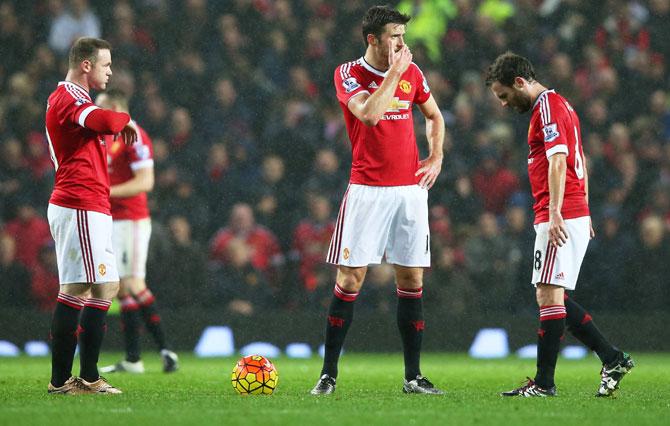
(558, 233)
(129, 134)
(430, 169)
(399, 61)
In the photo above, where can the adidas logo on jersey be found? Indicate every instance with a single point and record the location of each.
(559, 276)
(373, 85)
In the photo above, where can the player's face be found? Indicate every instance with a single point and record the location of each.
(512, 97)
(101, 70)
(395, 33)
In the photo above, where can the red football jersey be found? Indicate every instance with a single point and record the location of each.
(78, 153)
(385, 154)
(554, 127)
(123, 161)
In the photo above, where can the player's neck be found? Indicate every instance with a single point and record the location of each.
(376, 62)
(534, 90)
(77, 79)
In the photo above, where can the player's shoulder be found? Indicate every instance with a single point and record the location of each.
(348, 69)
(546, 104)
(415, 68)
(69, 92)
(556, 104)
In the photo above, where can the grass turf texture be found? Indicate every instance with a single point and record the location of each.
(368, 392)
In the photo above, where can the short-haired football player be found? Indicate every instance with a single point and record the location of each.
(80, 218)
(384, 213)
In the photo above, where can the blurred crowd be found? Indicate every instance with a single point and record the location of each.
(252, 156)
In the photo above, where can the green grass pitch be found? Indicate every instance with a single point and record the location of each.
(368, 393)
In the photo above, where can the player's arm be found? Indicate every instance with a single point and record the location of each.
(431, 166)
(142, 181)
(102, 120)
(558, 234)
(592, 233)
(370, 108)
(108, 122)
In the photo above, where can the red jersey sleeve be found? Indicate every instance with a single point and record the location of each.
(348, 83)
(422, 93)
(553, 119)
(103, 120)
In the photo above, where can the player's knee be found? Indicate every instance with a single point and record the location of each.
(78, 290)
(413, 283)
(409, 278)
(351, 279)
(548, 294)
(106, 291)
(350, 284)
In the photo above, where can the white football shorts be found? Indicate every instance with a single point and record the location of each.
(560, 266)
(131, 246)
(83, 245)
(378, 221)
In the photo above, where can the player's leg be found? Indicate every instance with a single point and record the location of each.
(409, 283)
(552, 326)
(137, 286)
(359, 239)
(70, 230)
(64, 325)
(616, 363)
(553, 271)
(340, 315)
(408, 250)
(104, 276)
(92, 328)
(130, 328)
(130, 323)
(410, 320)
(152, 321)
(124, 244)
(580, 324)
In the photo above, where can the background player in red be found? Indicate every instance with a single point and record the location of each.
(131, 175)
(559, 182)
(384, 212)
(80, 218)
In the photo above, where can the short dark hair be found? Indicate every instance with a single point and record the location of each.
(86, 48)
(118, 96)
(507, 67)
(377, 17)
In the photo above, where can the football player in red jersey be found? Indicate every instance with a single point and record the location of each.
(80, 218)
(559, 182)
(384, 212)
(131, 174)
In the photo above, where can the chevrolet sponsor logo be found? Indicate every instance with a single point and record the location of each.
(397, 105)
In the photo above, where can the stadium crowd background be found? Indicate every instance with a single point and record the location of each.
(252, 156)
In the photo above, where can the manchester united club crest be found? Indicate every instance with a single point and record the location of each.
(405, 86)
(102, 269)
(345, 253)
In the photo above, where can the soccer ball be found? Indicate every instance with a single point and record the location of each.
(255, 375)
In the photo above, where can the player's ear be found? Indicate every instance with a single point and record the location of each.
(372, 40)
(519, 83)
(86, 65)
